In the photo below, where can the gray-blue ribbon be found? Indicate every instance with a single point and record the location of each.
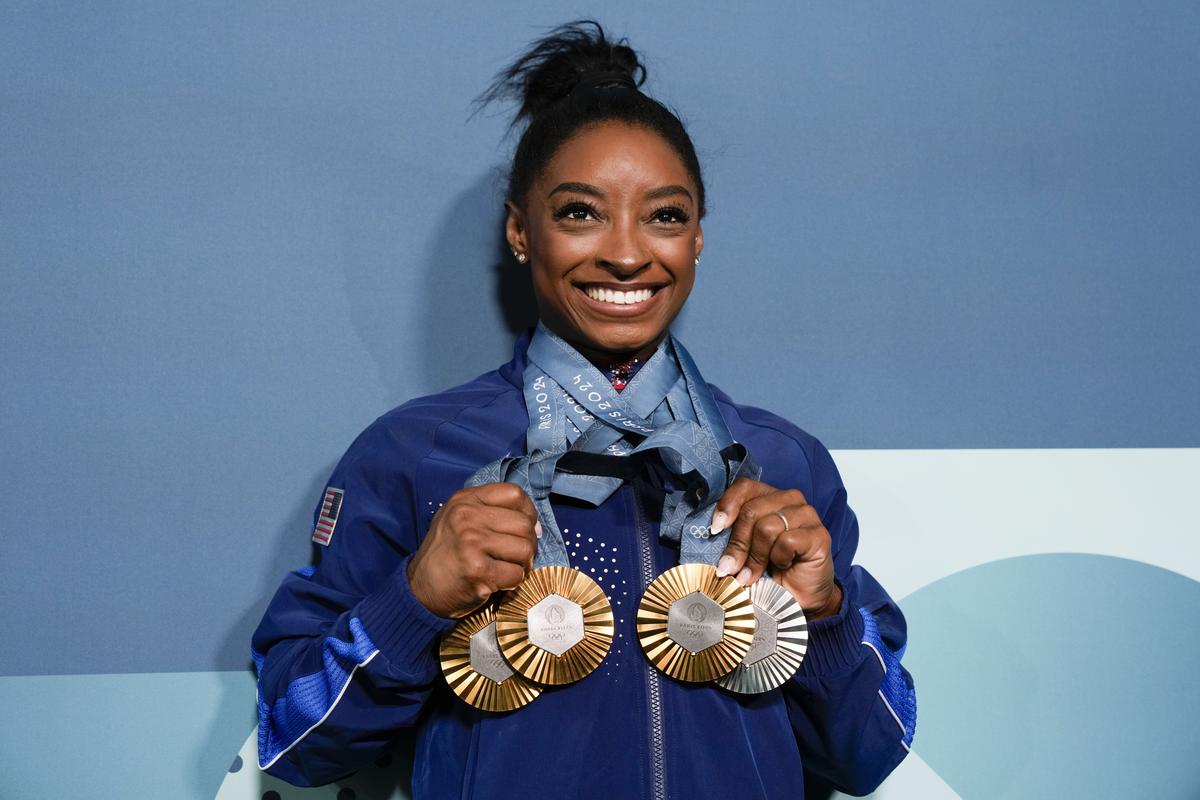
(585, 438)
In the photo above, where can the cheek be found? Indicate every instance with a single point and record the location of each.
(562, 253)
(680, 257)
(543, 285)
(684, 288)
(550, 289)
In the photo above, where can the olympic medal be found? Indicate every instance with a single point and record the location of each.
(556, 627)
(475, 668)
(693, 625)
(780, 641)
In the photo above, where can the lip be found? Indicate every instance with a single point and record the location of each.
(620, 311)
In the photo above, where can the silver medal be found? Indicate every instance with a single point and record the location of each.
(780, 641)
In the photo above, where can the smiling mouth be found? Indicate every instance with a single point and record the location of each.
(619, 297)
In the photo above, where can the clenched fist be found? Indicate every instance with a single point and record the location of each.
(778, 530)
(481, 541)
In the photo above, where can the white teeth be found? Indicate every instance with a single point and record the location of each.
(618, 297)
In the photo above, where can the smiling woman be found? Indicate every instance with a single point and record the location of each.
(613, 237)
(490, 554)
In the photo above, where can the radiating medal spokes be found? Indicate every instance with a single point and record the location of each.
(475, 668)
(780, 641)
(693, 625)
(556, 627)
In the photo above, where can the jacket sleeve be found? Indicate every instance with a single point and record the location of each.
(852, 705)
(345, 654)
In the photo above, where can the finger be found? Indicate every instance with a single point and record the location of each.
(505, 521)
(472, 522)
(729, 509)
(790, 518)
(518, 550)
(804, 555)
(767, 523)
(505, 575)
(511, 496)
(505, 495)
(731, 501)
(805, 542)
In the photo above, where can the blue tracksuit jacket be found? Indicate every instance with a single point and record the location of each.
(347, 657)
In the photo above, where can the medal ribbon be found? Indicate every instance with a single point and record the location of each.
(585, 439)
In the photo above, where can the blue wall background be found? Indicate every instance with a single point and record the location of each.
(232, 235)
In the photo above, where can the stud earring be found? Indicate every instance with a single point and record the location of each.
(520, 257)
(697, 261)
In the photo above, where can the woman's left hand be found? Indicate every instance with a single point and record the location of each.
(778, 529)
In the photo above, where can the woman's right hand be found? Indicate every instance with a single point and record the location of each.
(481, 541)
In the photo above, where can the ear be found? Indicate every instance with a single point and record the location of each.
(514, 229)
(699, 239)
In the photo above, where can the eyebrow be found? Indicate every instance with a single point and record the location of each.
(667, 191)
(578, 188)
(596, 191)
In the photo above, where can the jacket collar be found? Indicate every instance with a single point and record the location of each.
(514, 370)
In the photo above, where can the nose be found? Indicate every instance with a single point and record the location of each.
(623, 251)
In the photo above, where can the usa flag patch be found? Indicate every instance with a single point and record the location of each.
(331, 506)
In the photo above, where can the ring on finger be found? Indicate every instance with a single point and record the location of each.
(786, 526)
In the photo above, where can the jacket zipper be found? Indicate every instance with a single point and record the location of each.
(653, 685)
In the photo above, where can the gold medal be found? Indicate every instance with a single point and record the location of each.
(556, 627)
(780, 641)
(475, 668)
(693, 625)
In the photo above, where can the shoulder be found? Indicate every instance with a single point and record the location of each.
(788, 454)
(470, 422)
(751, 422)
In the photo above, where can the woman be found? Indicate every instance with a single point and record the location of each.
(605, 202)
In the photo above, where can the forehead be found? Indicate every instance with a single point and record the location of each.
(617, 155)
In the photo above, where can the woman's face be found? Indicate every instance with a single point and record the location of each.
(612, 236)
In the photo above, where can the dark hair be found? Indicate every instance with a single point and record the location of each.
(546, 80)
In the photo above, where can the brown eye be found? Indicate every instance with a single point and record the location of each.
(576, 211)
(670, 215)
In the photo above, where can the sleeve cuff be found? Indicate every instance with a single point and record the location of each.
(398, 624)
(834, 643)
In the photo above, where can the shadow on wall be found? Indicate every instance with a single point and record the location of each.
(291, 549)
(477, 297)
(474, 300)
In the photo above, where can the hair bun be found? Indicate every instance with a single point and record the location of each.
(605, 79)
(576, 76)
(577, 55)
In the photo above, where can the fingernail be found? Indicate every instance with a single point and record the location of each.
(537, 528)
(725, 566)
(719, 520)
(743, 577)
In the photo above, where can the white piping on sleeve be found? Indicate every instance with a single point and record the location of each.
(903, 730)
(892, 711)
(877, 655)
(332, 706)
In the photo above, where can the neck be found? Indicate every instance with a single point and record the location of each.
(605, 360)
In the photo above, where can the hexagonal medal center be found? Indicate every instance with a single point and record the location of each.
(485, 655)
(766, 633)
(555, 624)
(695, 622)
